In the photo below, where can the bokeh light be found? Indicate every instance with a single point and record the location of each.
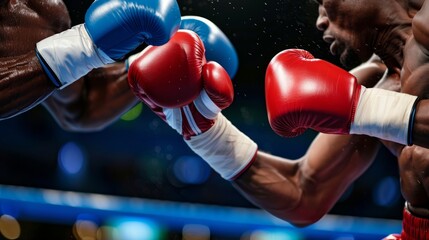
(85, 229)
(386, 192)
(191, 170)
(133, 113)
(9, 227)
(136, 229)
(195, 232)
(71, 158)
(271, 234)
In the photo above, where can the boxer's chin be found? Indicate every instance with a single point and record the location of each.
(350, 59)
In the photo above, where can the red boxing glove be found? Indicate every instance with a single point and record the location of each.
(303, 92)
(170, 75)
(175, 81)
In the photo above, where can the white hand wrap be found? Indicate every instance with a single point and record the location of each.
(227, 150)
(70, 55)
(383, 114)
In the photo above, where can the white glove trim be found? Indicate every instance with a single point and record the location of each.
(191, 120)
(206, 106)
(383, 114)
(71, 54)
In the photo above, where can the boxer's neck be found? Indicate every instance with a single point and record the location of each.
(390, 42)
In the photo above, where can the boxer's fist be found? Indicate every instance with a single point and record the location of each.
(175, 81)
(303, 92)
(112, 29)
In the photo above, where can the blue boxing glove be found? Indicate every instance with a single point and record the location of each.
(218, 47)
(112, 29)
(127, 24)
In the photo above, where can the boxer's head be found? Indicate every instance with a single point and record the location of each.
(356, 28)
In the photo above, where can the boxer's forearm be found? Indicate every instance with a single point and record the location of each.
(108, 97)
(271, 183)
(302, 191)
(23, 85)
(421, 125)
(93, 103)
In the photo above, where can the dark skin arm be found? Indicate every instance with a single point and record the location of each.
(91, 103)
(302, 191)
(421, 126)
(415, 75)
(23, 84)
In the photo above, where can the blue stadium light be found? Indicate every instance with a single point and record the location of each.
(191, 170)
(9, 209)
(386, 193)
(71, 158)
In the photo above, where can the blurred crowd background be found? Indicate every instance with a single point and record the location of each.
(140, 157)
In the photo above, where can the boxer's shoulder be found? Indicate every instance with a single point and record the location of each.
(52, 13)
(25, 22)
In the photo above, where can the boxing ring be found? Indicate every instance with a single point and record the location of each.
(54, 206)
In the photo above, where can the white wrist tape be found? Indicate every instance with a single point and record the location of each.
(227, 150)
(71, 54)
(383, 114)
